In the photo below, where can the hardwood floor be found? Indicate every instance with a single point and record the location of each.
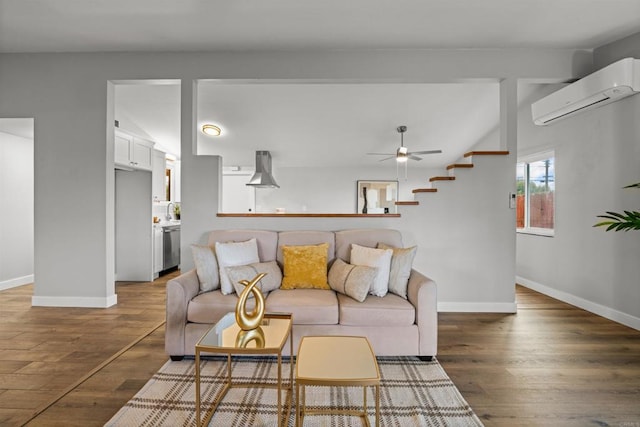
(551, 364)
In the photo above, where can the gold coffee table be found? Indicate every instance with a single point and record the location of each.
(336, 361)
(226, 337)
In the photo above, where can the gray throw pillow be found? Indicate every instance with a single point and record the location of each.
(206, 267)
(267, 284)
(401, 264)
(352, 280)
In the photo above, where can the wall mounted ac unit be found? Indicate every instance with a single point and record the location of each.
(613, 82)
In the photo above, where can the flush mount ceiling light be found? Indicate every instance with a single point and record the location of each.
(211, 130)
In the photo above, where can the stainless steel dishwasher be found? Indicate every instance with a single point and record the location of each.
(171, 245)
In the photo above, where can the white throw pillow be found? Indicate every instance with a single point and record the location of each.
(267, 284)
(401, 264)
(206, 267)
(232, 254)
(379, 258)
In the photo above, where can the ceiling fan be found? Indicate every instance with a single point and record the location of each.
(403, 154)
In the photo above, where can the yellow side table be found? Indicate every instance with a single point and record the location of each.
(336, 361)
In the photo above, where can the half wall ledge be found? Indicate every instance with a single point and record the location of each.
(306, 215)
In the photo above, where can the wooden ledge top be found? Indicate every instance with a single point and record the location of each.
(486, 153)
(425, 190)
(442, 178)
(460, 165)
(407, 203)
(305, 215)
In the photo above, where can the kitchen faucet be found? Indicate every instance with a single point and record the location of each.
(168, 216)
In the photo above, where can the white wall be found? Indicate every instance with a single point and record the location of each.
(72, 101)
(16, 213)
(597, 153)
(331, 190)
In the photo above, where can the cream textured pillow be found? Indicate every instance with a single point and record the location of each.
(247, 272)
(352, 280)
(305, 267)
(401, 264)
(372, 257)
(206, 267)
(231, 254)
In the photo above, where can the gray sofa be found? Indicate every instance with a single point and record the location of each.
(393, 325)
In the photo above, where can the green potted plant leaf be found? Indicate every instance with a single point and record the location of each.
(176, 210)
(629, 220)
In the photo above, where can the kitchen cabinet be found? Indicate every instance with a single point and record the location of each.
(158, 250)
(158, 177)
(131, 152)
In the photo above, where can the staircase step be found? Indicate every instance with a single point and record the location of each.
(425, 190)
(486, 153)
(460, 165)
(407, 202)
(442, 178)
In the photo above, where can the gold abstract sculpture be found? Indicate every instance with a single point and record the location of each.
(245, 337)
(245, 319)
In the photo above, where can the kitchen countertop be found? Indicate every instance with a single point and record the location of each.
(171, 223)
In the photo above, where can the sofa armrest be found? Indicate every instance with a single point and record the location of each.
(180, 291)
(422, 293)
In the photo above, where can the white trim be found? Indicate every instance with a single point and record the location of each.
(18, 281)
(599, 309)
(87, 302)
(477, 307)
(536, 231)
(536, 156)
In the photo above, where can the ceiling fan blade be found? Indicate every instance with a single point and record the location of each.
(387, 158)
(381, 154)
(412, 157)
(425, 152)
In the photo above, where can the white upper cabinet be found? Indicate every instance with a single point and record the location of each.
(131, 152)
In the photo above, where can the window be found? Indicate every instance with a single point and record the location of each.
(535, 194)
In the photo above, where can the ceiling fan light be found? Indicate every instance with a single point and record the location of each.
(402, 155)
(211, 130)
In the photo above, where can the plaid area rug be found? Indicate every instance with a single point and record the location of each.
(412, 393)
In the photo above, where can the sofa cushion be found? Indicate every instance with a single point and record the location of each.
(305, 267)
(401, 264)
(232, 254)
(204, 259)
(390, 310)
(209, 307)
(308, 306)
(352, 280)
(267, 284)
(378, 258)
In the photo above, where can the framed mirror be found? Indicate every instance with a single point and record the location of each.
(376, 197)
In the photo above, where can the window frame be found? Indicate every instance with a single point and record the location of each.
(527, 160)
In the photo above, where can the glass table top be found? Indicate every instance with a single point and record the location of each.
(226, 335)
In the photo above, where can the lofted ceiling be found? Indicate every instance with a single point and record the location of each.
(332, 123)
(206, 25)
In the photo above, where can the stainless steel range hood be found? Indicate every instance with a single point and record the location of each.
(263, 178)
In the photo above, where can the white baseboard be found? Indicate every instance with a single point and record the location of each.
(599, 309)
(477, 307)
(18, 281)
(85, 302)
